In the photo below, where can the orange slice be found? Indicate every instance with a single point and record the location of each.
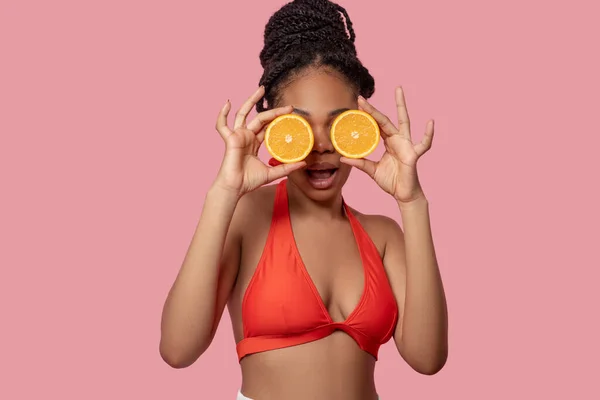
(355, 134)
(289, 138)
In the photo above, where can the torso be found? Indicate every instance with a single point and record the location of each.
(332, 367)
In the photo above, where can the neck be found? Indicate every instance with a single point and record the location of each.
(323, 210)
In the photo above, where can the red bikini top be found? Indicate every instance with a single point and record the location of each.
(282, 307)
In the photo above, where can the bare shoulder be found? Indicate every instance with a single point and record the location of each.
(382, 229)
(255, 208)
(378, 224)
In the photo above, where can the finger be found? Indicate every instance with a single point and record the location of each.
(240, 116)
(263, 118)
(283, 170)
(367, 166)
(260, 136)
(421, 148)
(221, 125)
(403, 120)
(387, 127)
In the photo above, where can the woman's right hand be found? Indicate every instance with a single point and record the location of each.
(241, 170)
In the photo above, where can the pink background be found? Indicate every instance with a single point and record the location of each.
(107, 147)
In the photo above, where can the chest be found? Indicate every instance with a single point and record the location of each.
(332, 258)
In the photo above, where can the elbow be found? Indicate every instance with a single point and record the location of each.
(425, 362)
(177, 356)
(175, 361)
(180, 349)
(430, 365)
(430, 368)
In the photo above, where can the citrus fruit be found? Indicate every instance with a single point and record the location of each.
(289, 138)
(355, 134)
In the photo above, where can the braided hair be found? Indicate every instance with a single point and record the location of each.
(307, 33)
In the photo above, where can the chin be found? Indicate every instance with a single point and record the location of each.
(321, 182)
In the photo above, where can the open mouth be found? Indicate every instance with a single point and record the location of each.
(322, 175)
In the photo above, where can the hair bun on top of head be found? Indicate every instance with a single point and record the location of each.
(305, 33)
(301, 23)
(329, 7)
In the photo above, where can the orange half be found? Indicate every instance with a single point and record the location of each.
(289, 138)
(355, 134)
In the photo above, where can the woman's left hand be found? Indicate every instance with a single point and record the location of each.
(396, 172)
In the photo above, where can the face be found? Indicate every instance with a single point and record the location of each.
(320, 95)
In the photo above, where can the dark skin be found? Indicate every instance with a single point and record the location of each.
(334, 367)
(241, 207)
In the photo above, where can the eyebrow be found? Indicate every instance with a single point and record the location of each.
(331, 114)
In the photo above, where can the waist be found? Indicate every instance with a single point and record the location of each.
(332, 367)
(240, 396)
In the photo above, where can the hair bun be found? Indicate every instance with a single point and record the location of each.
(306, 33)
(319, 23)
(334, 11)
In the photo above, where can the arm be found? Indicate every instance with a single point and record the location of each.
(197, 299)
(198, 296)
(421, 335)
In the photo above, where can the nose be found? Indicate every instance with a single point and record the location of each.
(322, 140)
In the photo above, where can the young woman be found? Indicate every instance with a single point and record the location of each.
(313, 286)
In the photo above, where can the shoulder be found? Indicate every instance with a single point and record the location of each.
(378, 223)
(258, 199)
(255, 207)
(382, 229)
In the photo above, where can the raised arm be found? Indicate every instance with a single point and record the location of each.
(198, 296)
(422, 332)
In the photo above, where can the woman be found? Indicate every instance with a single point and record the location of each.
(313, 287)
